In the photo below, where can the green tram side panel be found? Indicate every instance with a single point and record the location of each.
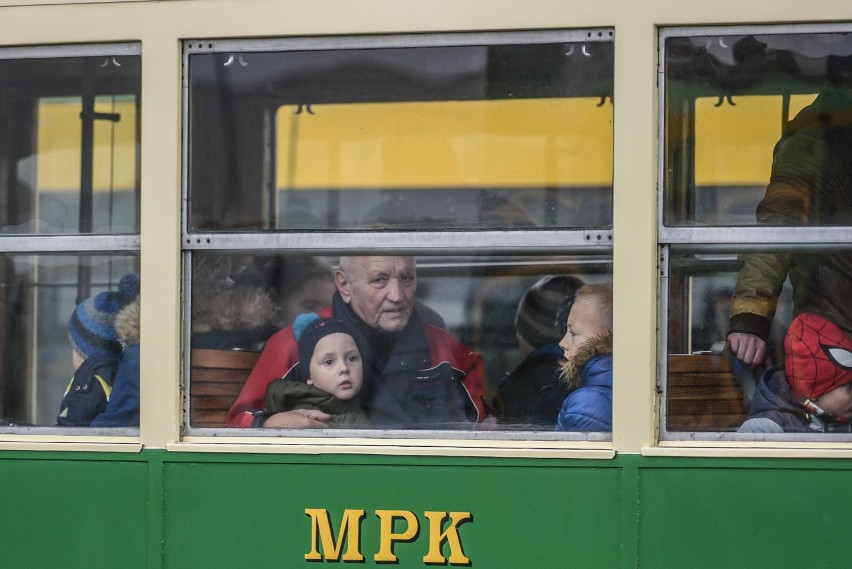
(746, 515)
(223, 515)
(157, 509)
(72, 513)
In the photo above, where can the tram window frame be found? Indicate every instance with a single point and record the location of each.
(48, 252)
(423, 244)
(712, 248)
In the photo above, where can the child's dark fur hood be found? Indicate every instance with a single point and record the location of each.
(570, 369)
(237, 308)
(232, 308)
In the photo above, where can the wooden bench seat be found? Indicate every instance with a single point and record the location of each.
(215, 380)
(703, 394)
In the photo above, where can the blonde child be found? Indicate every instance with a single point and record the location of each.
(587, 347)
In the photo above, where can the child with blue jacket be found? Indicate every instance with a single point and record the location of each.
(104, 333)
(587, 347)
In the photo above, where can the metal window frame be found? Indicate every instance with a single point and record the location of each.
(196, 46)
(72, 50)
(595, 241)
(722, 234)
(71, 244)
(728, 239)
(319, 43)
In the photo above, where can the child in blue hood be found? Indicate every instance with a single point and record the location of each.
(587, 347)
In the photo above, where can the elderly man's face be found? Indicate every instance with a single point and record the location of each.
(380, 290)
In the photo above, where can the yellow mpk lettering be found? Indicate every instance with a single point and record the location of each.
(395, 526)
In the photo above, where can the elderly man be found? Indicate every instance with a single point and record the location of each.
(416, 375)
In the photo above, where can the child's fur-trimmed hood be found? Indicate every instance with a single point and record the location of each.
(231, 308)
(127, 324)
(570, 368)
(237, 308)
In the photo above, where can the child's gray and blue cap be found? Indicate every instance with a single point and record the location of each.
(92, 325)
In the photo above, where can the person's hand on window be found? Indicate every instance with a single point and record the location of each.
(298, 419)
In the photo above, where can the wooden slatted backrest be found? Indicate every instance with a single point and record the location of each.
(703, 394)
(216, 378)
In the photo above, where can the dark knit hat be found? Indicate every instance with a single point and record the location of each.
(536, 319)
(818, 356)
(91, 327)
(309, 329)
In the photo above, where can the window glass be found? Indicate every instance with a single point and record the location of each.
(707, 389)
(57, 311)
(69, 244)
(434, 137)
(497, 319)
(327, 173)
(757, 140)
(70, 144)
(729, 100)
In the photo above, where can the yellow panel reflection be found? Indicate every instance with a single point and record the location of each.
(506, 143)
(733, 143)
(59, 139)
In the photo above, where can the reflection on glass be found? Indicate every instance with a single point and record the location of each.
(495, 321)
(52, 323)
(72, 143)
(756, 128)
(503, 136)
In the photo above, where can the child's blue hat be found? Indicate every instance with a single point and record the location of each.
(92, 325)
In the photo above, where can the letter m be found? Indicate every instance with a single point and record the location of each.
(322, 537)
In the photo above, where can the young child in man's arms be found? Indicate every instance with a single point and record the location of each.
(329, 375)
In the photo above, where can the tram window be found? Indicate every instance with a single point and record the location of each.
(482, 136)
(755, 204)
(69, 223)
(354, 145)
(478, 303)
(728, 99)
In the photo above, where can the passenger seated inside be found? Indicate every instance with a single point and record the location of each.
(531, 395)
(225, 315)
(812, 391)
(328, 376)
(104, 332)
(424, 377)
(587, 368)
